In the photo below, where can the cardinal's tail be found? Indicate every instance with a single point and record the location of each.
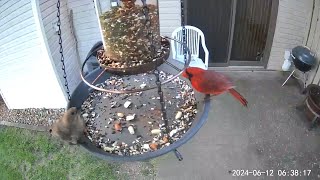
(239, 97)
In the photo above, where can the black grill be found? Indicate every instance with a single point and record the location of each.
(303, 58)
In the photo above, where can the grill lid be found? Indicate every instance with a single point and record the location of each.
(304, 54)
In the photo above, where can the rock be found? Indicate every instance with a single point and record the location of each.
(146, 146)
(143, 85)
(90, 138)
(131, 130)
(130, 117)
(120, 115)
(113, 104)
(115, 144)
(85, 115)
(155, 131)
(127, 104)
(108, 149)
(178, 115)
(112, 82)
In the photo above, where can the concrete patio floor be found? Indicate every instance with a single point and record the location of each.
(270, 135)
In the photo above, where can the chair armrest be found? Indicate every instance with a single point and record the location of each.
(206, 51)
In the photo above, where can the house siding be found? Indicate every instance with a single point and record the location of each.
(86, 25)
(48, 11)
(292, 25)
(170, 16)
(27, 79)
(312, 40)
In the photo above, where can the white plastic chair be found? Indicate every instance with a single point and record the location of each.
(193, 37)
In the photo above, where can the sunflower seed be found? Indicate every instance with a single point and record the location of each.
(120, 115)
(131, 130)
(173, 132)
(178, 115)
(108, 149)
(130, 117)
(155, 131)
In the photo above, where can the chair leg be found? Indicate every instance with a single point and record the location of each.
(314, 123)
(304, 89)
(305, 79)
(288, 77)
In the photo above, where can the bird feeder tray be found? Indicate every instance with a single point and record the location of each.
(102, 111)
(131, 124)
(134, 67)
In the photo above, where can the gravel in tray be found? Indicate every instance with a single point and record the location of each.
(131, 124)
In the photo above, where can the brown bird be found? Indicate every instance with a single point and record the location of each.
(211, 82)
(70, 127)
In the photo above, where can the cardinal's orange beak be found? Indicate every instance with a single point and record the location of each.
(184, 74)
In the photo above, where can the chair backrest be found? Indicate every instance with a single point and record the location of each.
(193, 36)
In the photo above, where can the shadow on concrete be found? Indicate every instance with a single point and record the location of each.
(270, 135)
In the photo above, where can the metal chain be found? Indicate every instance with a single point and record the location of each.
(183, 31)
(61, 52)
(183, 37)
(156, 70)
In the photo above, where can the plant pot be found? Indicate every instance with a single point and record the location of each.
(312, 102)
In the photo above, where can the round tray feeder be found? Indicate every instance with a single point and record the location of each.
(82, 92)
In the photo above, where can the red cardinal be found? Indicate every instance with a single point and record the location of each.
(211, 82)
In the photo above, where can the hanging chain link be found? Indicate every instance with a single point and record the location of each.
(61, 52)
(183, 37)
(156, 70)
(183, 31)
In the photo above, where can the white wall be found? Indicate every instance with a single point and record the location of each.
(49, 18)
(292, 25)
(170, 16)
(27, 79)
